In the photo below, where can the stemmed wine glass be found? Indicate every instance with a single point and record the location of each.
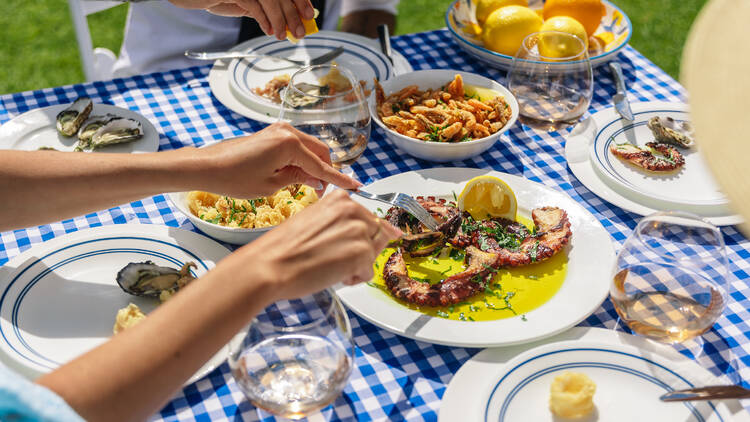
(326, 101)
(668, 280)
(296, 357)
(552, 79)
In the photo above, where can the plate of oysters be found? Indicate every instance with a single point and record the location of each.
(68, 295)
(80, 126)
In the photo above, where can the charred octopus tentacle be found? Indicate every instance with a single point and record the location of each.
(489, 245)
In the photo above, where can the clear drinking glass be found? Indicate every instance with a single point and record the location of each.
(296, 357)
(326, 101)
(552, 80)
(668, 281)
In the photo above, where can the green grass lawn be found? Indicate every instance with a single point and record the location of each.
(39, 47)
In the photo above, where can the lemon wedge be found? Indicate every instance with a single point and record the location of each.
(487, 196)
(483, 94)
(310, 28)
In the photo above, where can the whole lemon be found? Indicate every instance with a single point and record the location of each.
(506, 27)
(588, 12)
(485, 7)
(555, 45)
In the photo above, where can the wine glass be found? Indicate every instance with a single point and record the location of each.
(552, 80)
(296, 357)
(326, 101)
(668, 281)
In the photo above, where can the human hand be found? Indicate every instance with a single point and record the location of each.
(333, 240)
(262, 163)
(273, 16)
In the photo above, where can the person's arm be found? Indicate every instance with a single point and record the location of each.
(133, 374)
(366, 22)
(44, 186)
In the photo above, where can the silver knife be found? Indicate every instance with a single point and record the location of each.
(713, 392)
(621, 97)
(385, 41)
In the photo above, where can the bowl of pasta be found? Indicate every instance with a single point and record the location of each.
(240, 221)
(443, 115)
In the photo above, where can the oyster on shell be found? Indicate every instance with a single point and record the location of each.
(149, 279)
(116, 131)
(312, 95)
(70, 120)
(89, 127)
(671, 131)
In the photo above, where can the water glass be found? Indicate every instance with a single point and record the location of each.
(296, 357)
(326, 101)
(669, 277)
(552, 79)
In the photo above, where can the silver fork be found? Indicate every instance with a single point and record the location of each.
(217, 55)
(405, 202)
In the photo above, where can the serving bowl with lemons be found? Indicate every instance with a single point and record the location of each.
(492, 30)
(474, 85)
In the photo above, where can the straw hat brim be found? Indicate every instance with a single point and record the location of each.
(716, 72)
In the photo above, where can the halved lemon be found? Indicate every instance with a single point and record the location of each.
(310, 25)
(486, 197)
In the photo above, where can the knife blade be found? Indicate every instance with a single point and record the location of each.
(621, 97)
(713, 392)
(385, 41)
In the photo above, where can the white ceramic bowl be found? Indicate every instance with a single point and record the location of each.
(442, 151)
(235, 236)
(614, 21)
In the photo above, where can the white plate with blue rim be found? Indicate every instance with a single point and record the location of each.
(59, 298)
(615, 28)
(513, 384)
(692, 189)
(244, 75)
(37, 129)
(691, 186)
(584, 288)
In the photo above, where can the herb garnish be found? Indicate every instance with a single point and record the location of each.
(442, 314)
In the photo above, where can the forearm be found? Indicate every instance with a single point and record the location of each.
(137, 371)
(365, 22)
(43, 186)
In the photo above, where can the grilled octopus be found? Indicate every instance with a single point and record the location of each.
(670, 160)
(489, 245)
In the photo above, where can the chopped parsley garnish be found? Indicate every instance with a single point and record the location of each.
(534, 251)
(457, 255)
(442, 314)
(461, 316)
(523, 317)
(420, 279)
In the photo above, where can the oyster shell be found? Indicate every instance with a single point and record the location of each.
(149, 279)
(671, 131)
(89, 127)
(296, 99)
(70, 120)
(117, 131)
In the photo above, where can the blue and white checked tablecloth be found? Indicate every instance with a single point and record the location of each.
(395, 378)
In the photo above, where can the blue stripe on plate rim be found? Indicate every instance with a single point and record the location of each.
(606, 164)
(448, 19)
(241, 80)
(541, 372)
(19, 299)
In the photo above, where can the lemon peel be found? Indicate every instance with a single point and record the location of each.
(487, 197)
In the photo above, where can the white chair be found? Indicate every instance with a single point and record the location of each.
(97, 62)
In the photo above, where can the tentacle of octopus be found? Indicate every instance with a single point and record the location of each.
(454, 289)
(646, 159)
(553, 233)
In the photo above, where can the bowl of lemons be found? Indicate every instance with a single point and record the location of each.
(492, 30)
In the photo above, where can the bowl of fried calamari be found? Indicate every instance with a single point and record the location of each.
(240, 221)
(443, 115)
